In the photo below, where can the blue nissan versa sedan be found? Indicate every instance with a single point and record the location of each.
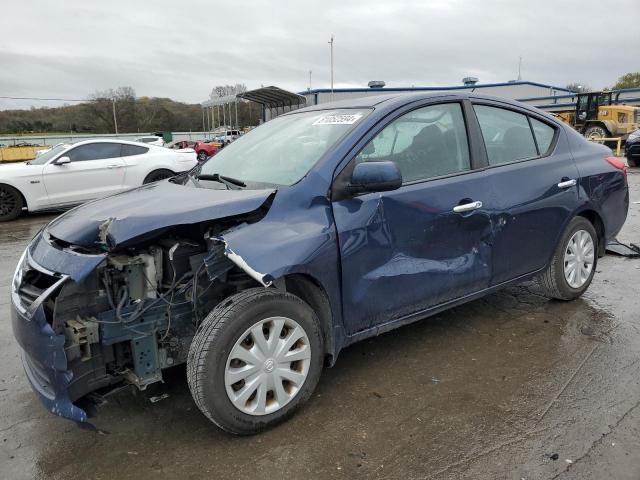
(320, 228)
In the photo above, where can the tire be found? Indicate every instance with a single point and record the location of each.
(596, 131)
(11, 203)
(202, 156)
(225, 331)
(553, 280)
(631, 162)
(158, 175)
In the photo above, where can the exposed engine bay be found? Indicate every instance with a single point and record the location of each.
(137, 313)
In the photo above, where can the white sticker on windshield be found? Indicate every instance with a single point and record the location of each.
(340, 119)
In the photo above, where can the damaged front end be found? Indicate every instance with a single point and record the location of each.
(93, 318)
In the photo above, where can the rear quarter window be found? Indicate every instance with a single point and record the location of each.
(130, 150)
(544, 135)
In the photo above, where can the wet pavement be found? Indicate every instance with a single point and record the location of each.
(510, 386)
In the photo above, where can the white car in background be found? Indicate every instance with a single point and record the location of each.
(151, 140)
(67, 175)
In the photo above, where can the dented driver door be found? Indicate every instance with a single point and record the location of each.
(425, 244)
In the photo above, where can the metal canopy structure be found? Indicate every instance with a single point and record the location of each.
(274, 98)
(217, 112)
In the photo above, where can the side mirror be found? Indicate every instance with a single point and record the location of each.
(375, 177)
(62, 161)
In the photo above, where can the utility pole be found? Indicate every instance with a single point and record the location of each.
(310, 72)
(203, 127)
(115, 120)
(331, 44)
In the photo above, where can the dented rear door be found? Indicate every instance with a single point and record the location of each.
(535, 184)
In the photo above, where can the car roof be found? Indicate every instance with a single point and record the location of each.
(112, 140)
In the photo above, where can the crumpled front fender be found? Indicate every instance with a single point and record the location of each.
(297, 236)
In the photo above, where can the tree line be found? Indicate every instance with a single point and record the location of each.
(628, 80)
(133, 115)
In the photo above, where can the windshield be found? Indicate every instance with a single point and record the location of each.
(46, 156)
(283, 150)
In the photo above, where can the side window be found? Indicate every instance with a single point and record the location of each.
(130, 150)
(507, 135)
(94, 151)
(424, 143)
(544, 135)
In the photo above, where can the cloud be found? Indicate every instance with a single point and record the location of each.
(181, 50)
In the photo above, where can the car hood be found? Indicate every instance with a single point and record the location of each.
(14, 168)
(131, 216)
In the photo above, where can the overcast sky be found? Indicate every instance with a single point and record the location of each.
(182, 48)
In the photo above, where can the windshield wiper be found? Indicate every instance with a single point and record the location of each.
(216, 177)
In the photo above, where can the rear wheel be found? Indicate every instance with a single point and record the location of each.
(631, 162)
(255, 359)
(596, 132)
(10, 203)
(157, 175)
(571, 270)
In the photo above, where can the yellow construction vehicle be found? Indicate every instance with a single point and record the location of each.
(598, 115)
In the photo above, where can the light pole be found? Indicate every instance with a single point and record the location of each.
(331, 44)
(224, 118)
(236, 102)
(115, 120)
(519, 68)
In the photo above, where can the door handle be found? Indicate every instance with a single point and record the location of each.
(568, 183)
(467, 207)
(114, 166)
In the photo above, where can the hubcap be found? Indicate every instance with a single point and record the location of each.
(267, 366)
(578, 259)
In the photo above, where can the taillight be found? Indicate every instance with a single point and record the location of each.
(619, 164)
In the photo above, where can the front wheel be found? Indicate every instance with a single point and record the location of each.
(10, 203)
(255, 359)
(202, 156)
(572, 267)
